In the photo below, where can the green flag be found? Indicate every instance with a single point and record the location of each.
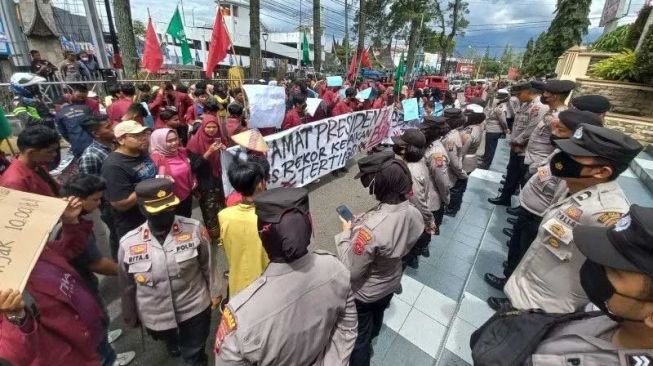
(399, 74)
(176, 30)
(306, 51)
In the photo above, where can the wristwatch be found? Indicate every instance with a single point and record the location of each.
(17, 320)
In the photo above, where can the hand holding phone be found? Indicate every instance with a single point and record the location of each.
(345, 213)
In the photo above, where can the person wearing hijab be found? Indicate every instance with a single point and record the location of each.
(172, 162)
(301, 310)
(454, 143)
(437, 161)
(205, 147)
(372, 245)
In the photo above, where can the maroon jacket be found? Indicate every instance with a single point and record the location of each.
(182, 102)
(118, 109)
(59, 335)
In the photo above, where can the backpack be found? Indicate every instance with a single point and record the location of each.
(509, 338)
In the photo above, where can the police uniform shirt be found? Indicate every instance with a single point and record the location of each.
(372, 250)
(542, 190)
(167, 283)
(497, 120)
(586, 343)
(471, 137)
(539, 144)
(513, 106)
(299, 313)
(437, 161)
(528, 116)
(425, 197)
(454, 143)
(547, 277)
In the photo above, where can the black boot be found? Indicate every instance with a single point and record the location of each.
(513, 211)
(507, 231)
(498, 303)
(500, 201)
(494, 281)
(512, 220)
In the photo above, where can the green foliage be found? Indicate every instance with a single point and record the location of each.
(540, 59)
(139, 29)
(645, 59)
(530, 46)
(620, 67)
(614, 41)
(637, 27)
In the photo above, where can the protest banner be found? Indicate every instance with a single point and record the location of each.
(305, 153)
(398, 124)
(411, 111)
(267, 105)
(26, 224)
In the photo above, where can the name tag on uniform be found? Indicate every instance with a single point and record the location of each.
(570, 216)
(138, 258)
(185, 246)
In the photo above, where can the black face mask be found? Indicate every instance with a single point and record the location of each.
(160, 223)
(599, 289)
(564, 166)
(398, 150)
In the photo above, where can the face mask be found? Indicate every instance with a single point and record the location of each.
(564, 166)
(544, 100)
(599, 289)
(84, 58)
(160, 223)
(398, 150)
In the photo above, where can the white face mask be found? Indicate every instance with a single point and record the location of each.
(84, 58)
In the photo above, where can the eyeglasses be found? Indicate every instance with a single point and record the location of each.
(137, 136)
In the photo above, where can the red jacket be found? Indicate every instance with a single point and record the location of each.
(292, 119)
(378, 103)
(342, 107)
(181, 103)
(58, 336)
(91, 103)
(22, 178)
(330, 98)
(118, 109)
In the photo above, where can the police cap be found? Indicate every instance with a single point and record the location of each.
(155, 195)
(272, 204)
(627, 246)
(603, 142)
(593, 103)
(573, 118)
(373, 163)
(538, 85)
(452, 113)
(412, 136)
(431, 121)
(559, 86)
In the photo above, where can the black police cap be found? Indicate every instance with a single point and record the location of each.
(603, 142)
(155, 195)
(373, 163)
(412, 136)
(627, 246)
(573, 118)
(452, 112)
(272, 204)
(431, 121)
(559, 86)
(538, 85)
(521, 86)
(593, 103)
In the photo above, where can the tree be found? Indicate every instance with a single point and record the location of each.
(507, 59)
(539, 59)
(377, 27)
(644, 63)
(317, 36)
(415, 13)
(255, 64)
(566, 30)
(125, 30)
(528, 53)
(361, 31)
(456, 22)
(139, 29)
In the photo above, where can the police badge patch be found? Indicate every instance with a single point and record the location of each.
(363, 237)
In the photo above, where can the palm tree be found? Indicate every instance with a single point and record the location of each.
(125, 30)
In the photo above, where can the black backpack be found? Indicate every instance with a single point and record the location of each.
(509, 338)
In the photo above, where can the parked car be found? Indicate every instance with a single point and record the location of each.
(456, 86)
(440, 82)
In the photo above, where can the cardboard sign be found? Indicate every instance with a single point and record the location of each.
(334, 81)
(267, 105)
(312, 104)
(364, 94)
(27, 220)
(411, 111)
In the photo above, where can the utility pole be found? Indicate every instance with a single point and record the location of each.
(117, 59)
(317, 36)
(96, 32)
(346, 32)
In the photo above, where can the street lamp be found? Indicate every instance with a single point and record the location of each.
(265, 40)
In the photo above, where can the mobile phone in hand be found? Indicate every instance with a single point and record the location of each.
(345, 213)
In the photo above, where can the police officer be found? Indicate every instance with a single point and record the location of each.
(165, 275)
(454, 143)
(593, 103)
(539, 144)
(372, 246)
(472, 134)
(589, 163)
(496, 125)
(437, 161)
(540, 192)
(617, 277)
(301, 310)
(529, 114)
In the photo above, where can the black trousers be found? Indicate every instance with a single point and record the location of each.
(514, 175)
(510, 122)
(185, 207)
(370, 320)
(106, 214)
(190, 337)
(456, 196)
(524, 232)
(422, 242)
(491, 142)
(438, 216)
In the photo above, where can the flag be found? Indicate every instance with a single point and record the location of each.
(352, 67)
(176, 30)
(399, 74)
(152, 57)
(306, 51)
(220, 43)
(365, 59)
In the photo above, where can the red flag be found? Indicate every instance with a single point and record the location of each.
(352, 68)
(365, 59)
(220, 43)
(152, 57)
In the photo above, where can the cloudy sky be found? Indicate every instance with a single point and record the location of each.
(492, 22)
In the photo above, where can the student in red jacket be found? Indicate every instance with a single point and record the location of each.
(347, 105)
(297, 114)
(119, 107)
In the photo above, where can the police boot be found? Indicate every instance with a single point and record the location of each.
(507, 231)
(512, 220)
(513, 211)
(500, 201)
(495, 281)
(499, 303)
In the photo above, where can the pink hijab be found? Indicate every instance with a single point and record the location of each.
(158, 142)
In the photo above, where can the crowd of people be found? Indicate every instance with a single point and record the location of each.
(143, 156)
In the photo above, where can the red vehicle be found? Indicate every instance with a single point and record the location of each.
(440, 82)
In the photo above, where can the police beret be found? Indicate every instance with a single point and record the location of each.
(538, 85)
(626, 246)
(572, 118)
(412, 136)
(155, 195)
(521, 86)
(593, 103)
(431, 122)
(559, 86)
(373, 163)
(272, 204)
(603, 142)
(479, 101)
(452, 112)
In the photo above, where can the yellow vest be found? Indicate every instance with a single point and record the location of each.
(245, 253)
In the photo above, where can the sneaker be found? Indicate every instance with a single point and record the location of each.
(113, 335)
(123, 359)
